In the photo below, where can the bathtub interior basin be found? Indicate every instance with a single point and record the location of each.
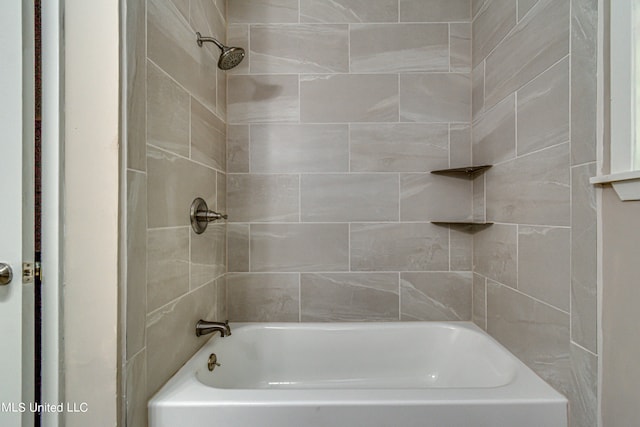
(350, 356)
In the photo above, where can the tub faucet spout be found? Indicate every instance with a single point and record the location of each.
(204, 327)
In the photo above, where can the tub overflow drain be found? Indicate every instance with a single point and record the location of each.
(213, 362)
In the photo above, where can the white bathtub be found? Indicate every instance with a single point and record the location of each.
(357, 374)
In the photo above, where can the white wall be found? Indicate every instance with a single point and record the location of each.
(620, 315)
(91, 164)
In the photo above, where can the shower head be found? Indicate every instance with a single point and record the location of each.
(230, 56)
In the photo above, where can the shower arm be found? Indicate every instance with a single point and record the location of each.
(201, 40)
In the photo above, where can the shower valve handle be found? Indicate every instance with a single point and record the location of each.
(201, 216)
(210, 216)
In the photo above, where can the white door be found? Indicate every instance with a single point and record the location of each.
(13, 141)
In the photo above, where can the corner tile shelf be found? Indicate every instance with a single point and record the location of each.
(470, 171)
(462, 223)
(466, 226)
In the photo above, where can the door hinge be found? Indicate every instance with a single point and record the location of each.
(31, 270)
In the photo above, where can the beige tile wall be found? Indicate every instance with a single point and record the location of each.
(338, 114)
(335, 119)
(176, 151)
(534, 103)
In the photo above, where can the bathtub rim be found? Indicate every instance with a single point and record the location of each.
(184, 389)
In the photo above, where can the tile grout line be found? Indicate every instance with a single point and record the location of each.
(531, 297)
(486, 304)
(299, 297)
(572, 342)
(180, 156)
(569, 55)
(449, 40)
(527, 82)
(399, 295)
(517, 256)
(349, 246)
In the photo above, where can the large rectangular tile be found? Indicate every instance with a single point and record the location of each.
(436, 296)
(535, 332)
(345, 98)
(461, 252)
(435, 10)
(299, 148)
(221, 189)
(495, 253)
(460, 150)
(479, 213)
(433, 197)
(183, 6)
(136, 84)
(261, 11)
(221, 298)
(399, 48)
(167, 265)
(524, 6)
(167, 112)
(399, 247)
(348, 11)
(493, 21)
(548, 247)
(543, 110)
(584, 260)
(583, 388)
(174, 324)
(476, 6)
(237, 247)
(171, 46)
(172, 184)
(222, 6)
(221, 94)
(301, 48)
(238, 35)
(208, 139)
(263, 198)
(398, 147)
(533, 189)
(287, 247)
(263, 98)
(479, 314)
(449, 96)
(136, 241)
(263, 297)
(584, 100)
(237, 148)
(538, 41)
(136, 390)
(494, 133)
(347, 297)
(460, 47)
(349, 197)
(477, 95)
(208, 255)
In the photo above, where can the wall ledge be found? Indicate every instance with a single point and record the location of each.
(625, 184)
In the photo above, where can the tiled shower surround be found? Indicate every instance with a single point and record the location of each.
(333, 123)
(335, 120)
(534, 117)
(176, 137)
(330, 148)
